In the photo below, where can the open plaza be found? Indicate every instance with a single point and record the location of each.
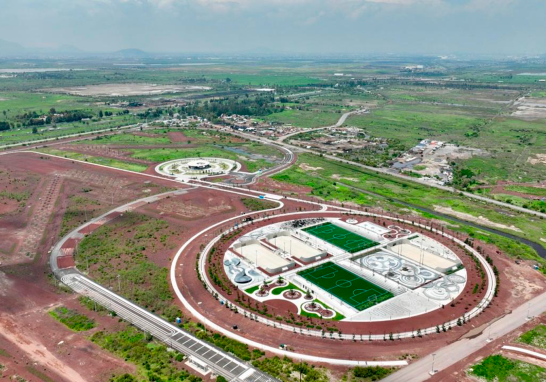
(358, 271)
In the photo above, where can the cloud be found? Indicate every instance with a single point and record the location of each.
(314, 19)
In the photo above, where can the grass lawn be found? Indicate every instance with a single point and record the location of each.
(305, 119)
(324, 185)
(535, 337)
(340, 237)
(65, 129)
(167, 154)
(128, 139)
(527, 190)
(137, 167)
(348, 287)
(279, 290)
(500, 369)
(337, 317)
(72, 319)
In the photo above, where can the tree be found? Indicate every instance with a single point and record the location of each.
(4, 126)
(34, 130)
(101, 114)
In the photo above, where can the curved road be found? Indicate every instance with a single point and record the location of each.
(280, 142)
(146, 319)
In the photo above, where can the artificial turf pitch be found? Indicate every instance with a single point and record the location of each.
(348, 287)
(340, 237)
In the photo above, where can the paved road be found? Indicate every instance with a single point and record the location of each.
(451, 354)
(339, 123)
(417, 180)
(220, 362)
(64, 138)
(280, 142)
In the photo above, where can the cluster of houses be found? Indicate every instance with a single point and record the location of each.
(436, 168)
(178, 121)
(341, 140)
(249, 125)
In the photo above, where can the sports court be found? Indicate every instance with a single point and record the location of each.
(340, 237)
(348, 287)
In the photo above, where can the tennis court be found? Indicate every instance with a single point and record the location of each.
(340, 237)
(348, 287)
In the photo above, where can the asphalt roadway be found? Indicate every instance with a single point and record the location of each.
(219, 361)
(451, 354)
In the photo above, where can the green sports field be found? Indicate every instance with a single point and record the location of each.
(340, 237)
(348, 287)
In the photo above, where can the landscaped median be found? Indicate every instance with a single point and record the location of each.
(136, 167)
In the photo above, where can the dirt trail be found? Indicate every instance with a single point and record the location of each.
(37, 351)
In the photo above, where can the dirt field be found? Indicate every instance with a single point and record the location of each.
(31, 341)
(530, 109)
(500, 188)
(53, 186)
(122, 90)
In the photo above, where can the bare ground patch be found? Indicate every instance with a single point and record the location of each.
(306, 167)
(122, 90)
(479, 219)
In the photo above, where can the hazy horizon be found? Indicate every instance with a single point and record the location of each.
(481, 27)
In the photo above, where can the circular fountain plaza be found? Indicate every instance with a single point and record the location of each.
(196, 168)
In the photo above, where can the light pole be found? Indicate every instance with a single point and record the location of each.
(432, 371)
(489, 339)
(528, 311)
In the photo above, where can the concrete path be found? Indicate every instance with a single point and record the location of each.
(451, 354)
(525, 351)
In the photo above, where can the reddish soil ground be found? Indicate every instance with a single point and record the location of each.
(282, 306)
(500, 188)
(510, 295)
(178, 137)
(33, 338)
(458, 371)
(267, 184)
(29, 336)
(25, 321)
(105, 151)
(55, 185)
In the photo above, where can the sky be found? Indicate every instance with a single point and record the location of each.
(507, 27)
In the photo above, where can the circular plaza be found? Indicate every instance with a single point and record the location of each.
(197, 168)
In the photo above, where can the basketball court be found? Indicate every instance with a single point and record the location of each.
(348, 287)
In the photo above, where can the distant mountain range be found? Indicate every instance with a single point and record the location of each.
(12, 49)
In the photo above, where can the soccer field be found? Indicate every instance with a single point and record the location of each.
(340, 237)
(348, 287)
